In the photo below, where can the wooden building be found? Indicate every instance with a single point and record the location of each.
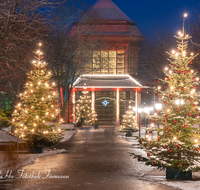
(108, 76)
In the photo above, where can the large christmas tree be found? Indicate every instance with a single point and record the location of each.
(177, 143)
(129, 123)
(36, 113)
(84, 112)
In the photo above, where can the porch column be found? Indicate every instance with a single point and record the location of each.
(73, 103)
(117, 108)
(93, 101)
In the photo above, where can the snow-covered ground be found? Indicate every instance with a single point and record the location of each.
(25, 159)
(152, 174)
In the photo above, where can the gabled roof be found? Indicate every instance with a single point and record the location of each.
(107, 81)
(105, 10)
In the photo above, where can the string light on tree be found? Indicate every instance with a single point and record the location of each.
(32, 108)
(178, 144)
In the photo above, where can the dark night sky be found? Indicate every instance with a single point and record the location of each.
(152, 15)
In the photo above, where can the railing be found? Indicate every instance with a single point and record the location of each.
(18, 147)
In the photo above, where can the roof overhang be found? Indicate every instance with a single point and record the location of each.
(107, 81)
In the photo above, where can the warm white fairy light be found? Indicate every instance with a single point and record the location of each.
(54, 93)
(20, 95)
(170, 71)
(34, 124)
(24, 127)
(192, 71)
(178, 102)
(173, 51)
(47, 113)
(13, 120)
(34, 61)
(49, 73)
(40, 44)
(147, 136)
(196, 140)
(36, 116)
(53, 83)
(39, 83)
(174, 138)
(52, 115)
(19, 105)
(21, 124)
(168, 110)
(171, 87)
(159, 87)
(42, 98)
(58, 129)
(43, 121)
(31, 90)
(197, 78)
(179, 33)
(15, 131)
(52, 106)
(192, 54)
(25, 92)
(32, 130)
(15, 111)
(193, 91)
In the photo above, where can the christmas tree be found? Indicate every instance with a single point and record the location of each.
(84, 112)
(37, 109)
(129, 121)
(177, 142)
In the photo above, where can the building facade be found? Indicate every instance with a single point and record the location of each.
(114, 60)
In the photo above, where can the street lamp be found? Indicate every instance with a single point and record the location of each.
(140, 110)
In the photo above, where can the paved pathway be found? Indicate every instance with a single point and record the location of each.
(96, 160)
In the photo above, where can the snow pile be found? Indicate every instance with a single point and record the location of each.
(5, 137)
(68, 135)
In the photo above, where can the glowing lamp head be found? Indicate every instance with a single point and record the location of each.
(185, 15)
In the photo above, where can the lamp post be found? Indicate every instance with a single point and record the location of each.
(140, 110)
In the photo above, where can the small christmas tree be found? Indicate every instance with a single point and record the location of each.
(129, 121)
(37, 108)
(84, 111)
(177, 144)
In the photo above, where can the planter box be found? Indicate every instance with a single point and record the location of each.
(128, 135)
(36, 150)
(173, 173)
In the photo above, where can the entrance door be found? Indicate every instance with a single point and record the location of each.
(105, 107)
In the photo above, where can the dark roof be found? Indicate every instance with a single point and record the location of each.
(107, 81)
(105, 10)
